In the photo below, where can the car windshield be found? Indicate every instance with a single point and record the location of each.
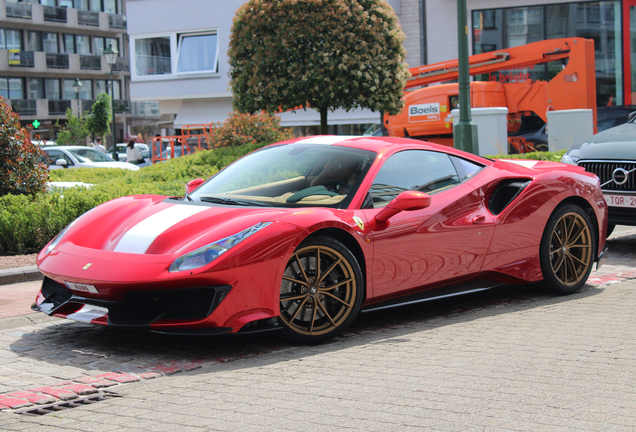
(87, 155)
(294, 175)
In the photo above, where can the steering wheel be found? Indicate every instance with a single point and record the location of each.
(334, 184)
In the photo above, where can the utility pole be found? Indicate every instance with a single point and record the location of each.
(464, 132)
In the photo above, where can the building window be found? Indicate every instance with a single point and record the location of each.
(83, 44)
(152, 56)
(81, 4)
(34, 41)
(496, 29)
(10, 39)
(99, 45)
(85, 94)
(197, 53)
(36, 88)
(11, 88)
(110, 6)
(52, 86)
(69, 44)
(103, 86)
(100, 87)
(49, 43)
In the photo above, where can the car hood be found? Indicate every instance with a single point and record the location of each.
(156, 225)
(122, 165)
(617, 143)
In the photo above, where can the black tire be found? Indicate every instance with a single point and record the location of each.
(318, 302)
(568, 249)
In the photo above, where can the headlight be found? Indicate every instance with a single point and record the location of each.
(570, 159)
(206, 254)
(57, 238)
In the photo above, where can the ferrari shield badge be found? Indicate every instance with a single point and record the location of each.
(87, 266)
(359, 222)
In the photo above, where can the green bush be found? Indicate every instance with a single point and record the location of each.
(546, 156)
(21, 167)
(241, 129)
(27, 223)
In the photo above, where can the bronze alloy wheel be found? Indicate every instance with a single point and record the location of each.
(320, 292)
(567, 249)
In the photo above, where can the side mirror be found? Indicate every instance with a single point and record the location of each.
(631, 116)
(61, 162)
(193, 184)
(406, 201)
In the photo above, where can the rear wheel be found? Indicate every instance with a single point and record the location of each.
(321, 291)
(567, 249)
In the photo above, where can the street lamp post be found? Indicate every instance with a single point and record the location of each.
(77, 86)
(465, 131)
(111, 58)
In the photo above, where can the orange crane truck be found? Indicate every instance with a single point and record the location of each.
(426, 113)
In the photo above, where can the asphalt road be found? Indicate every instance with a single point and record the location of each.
(512, 358)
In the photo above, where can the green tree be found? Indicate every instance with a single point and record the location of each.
(99, 121)
(325, 54)
(75, 131)
(22, 170)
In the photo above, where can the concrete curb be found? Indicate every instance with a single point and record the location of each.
(20, 274)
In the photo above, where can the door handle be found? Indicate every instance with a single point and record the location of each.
(479, 219)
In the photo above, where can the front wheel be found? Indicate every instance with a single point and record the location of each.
(567, 249)
(321, 291)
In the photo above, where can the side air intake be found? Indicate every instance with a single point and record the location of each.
(505, 193)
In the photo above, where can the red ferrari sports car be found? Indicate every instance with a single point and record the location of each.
(303, 234)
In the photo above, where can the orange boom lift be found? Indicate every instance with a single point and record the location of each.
(426, 113)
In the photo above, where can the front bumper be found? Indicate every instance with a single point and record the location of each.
(139, 308)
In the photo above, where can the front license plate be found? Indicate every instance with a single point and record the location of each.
(620, 200)
(82, 287)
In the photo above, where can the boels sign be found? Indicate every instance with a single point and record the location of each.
(424, 112)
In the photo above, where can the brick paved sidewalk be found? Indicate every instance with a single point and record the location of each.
(531, 364)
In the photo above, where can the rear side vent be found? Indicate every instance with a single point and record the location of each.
(505, 193)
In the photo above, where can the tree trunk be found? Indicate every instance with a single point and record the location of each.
(324, 128)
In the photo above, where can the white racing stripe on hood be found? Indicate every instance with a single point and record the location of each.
(326, 139)
(139, 238)
(525, 163)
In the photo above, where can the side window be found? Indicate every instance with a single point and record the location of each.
(419, 170)
(54, 155)
(466, 168)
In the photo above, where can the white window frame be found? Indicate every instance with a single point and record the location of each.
(174, 56)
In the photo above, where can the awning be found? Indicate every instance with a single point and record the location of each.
(203, 112)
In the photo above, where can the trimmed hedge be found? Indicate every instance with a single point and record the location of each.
(546, 156)
(27, 223)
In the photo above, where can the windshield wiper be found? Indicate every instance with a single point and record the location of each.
(231, 201)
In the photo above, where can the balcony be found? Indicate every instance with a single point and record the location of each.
(54, 14)
(117, 21)
(145, 108)
(122, 65)
(87, 105)
(24, 107)
(90, 62)
(121, 106)
(57, 61)
(88, 18)
(58, 107)
(19, 10)
(21, 58)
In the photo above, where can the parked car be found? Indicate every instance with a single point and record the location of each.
(81, 157)
(143, 149)
(302, 235)
(611, 155)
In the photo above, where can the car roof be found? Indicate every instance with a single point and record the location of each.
(66, 148)
(381, 144)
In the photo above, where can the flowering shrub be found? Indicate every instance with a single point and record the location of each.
(241, 129)
(323, 54)
(21, 168)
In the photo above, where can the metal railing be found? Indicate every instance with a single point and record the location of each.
(58, 107)
(90, 62)
(24, 107)
(54, 14)
(89, 18)
(153, 65)
(117, 21)
(26, 59)
(57, 61)
(86, 105)
(121, 105)
(122, 65)
(18, 10)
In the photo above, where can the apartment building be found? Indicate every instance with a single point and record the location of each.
(46, 46)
